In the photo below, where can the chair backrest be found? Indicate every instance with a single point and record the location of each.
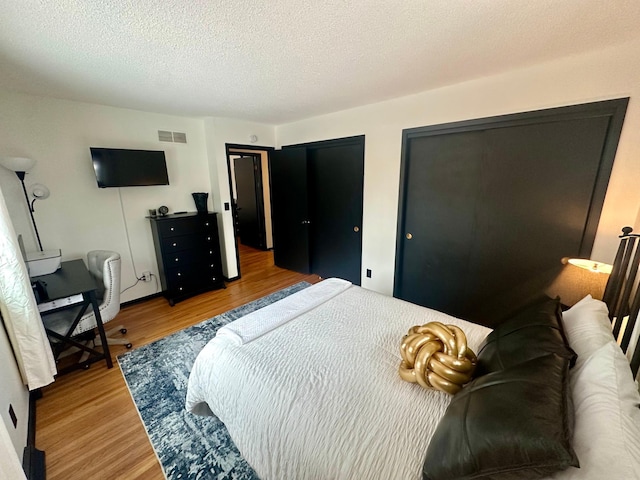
(105, 267)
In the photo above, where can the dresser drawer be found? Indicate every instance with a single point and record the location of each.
(182, 280)
(188, 257)
(186, 226)
(202, 241)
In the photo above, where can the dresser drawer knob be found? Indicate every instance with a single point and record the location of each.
(210, 252)
(175, 244)
(180, 289)
(206, 224)
(209, 239)
(212, 265)
(179, 274)
(172, 229)
(177, 259)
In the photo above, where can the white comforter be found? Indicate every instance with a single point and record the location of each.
(319, 397)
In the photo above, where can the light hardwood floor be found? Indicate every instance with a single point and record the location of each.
(87, 423)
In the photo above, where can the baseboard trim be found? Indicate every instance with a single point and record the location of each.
(33, 460)
(140, 300)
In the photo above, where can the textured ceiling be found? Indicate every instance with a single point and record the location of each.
(277, 61)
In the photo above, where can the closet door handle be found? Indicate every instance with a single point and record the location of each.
(356, 229)
(409, 236)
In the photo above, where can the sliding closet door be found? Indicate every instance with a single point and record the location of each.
(440, 198)
(534, 197)
(488, 208)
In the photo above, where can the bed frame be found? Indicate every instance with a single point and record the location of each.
(622, 294)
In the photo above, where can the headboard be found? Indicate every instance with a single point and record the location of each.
(622, 294)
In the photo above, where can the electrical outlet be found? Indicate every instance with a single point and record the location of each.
(146, 276)
(368, 273)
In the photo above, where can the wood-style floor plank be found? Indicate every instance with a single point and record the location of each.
(87, 423)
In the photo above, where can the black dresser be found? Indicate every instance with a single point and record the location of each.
(188, 252)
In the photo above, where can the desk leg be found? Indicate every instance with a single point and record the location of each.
(103, 336)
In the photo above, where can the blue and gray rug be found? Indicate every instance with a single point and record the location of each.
(188, 446)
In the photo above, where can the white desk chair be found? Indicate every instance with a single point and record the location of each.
(105, 267)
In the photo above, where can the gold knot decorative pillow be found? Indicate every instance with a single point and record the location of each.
(435, 355)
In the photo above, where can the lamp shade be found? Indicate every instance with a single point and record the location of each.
(580, 277)
(17, 164)
(39, 191)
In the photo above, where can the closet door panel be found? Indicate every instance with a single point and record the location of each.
(289, 207)
(534, 197)
(435, 240)
(492, 205)
(336, 175)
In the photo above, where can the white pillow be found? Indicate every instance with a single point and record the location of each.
(587, 327)
(607, 418)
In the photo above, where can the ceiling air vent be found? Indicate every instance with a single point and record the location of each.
(165, 136)
(179, 137)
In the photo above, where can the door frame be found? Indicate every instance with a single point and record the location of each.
(615, 109)
(249, 148)
(337, 142)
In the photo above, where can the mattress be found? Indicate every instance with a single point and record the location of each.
(319, 395)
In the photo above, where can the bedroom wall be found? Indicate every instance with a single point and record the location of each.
(600, 75)
(79, 216)
(13, 392)
(219, 132)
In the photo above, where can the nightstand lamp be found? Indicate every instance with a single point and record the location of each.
(578, 278)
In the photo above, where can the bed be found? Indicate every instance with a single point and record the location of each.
(308, 387)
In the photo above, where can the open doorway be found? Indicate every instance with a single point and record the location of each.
(248, 168)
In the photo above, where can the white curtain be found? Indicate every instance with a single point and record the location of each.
(19, 311)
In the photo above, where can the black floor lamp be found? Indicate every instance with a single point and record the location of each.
(21, 165)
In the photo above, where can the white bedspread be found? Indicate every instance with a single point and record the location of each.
(256, 324)
(319, 397)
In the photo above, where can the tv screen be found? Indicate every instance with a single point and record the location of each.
(116, 167)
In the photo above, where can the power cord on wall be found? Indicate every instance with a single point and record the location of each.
(140, 279)
(133, 264)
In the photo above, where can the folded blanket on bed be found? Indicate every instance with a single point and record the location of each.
(256, 324)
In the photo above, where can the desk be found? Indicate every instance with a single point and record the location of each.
(72, 278)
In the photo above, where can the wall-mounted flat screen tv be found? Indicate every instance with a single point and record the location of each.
(117, 167)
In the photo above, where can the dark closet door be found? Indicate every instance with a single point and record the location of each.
(289, 208)
(336, 176)
(487, 214)
(439, 220)
(250, 206)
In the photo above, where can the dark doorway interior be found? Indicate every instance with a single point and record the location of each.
(249, 203)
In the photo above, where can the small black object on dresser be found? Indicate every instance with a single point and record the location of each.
(188, 252)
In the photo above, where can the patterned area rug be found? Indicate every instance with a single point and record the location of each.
(188, 446)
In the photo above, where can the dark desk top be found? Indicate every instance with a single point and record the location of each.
(71, 279)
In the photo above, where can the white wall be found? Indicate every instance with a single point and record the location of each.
(219, 132)
(79, 216)
(13, 391)
(601, 75)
